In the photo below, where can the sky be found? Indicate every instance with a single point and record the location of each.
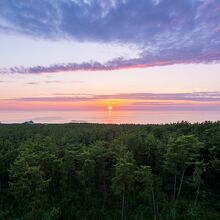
(155, 55)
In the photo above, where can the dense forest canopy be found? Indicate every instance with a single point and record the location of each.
(106, 172)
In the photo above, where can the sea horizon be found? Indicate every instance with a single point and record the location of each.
(109, 117)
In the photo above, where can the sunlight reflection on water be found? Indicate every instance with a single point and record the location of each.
(108, 117)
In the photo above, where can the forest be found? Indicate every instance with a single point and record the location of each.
(109, 172)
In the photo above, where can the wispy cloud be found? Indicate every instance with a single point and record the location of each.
(46, 82)
(166, 32)
(52, 82)
(33, 83)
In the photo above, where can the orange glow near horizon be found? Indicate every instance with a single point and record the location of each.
(102, 104)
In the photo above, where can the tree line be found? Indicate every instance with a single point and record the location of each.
(109, 172)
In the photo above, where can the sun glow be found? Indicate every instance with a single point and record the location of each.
(109, 110)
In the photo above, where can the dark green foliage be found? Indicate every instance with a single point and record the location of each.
(92, 172)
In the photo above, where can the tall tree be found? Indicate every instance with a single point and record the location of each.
(124, 176)
(147, 187)
(182, 152)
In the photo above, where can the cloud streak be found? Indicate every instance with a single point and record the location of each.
(166, 58)
(166, 32)
(194, 96)
(124, 101)
(52, 82)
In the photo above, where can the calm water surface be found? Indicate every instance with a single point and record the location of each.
(109, 117)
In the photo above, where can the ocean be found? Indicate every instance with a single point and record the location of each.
(109, 117)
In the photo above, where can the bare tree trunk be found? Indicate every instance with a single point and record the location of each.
(181, 183)
(123, 204)
(157, 212)
(174, 188)
(104, 194)
(154, 205)
(197, 194)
